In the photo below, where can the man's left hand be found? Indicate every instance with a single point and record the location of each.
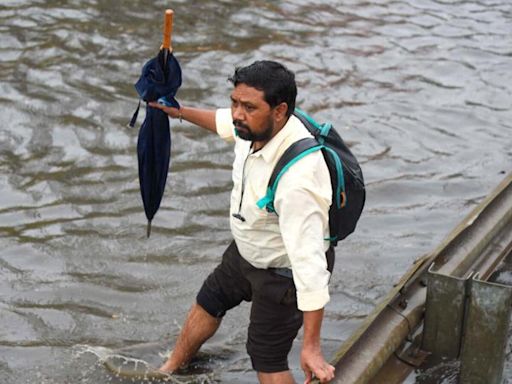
(314, 365)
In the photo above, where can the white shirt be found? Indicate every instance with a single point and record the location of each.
(294, 238)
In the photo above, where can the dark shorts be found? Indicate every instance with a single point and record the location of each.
(274, 320)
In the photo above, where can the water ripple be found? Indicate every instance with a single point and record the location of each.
(420, 90)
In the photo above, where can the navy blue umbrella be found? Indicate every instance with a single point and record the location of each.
(159, 81)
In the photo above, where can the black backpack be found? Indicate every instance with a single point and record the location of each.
(348, 193)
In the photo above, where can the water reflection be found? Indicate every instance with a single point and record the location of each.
(420, 89)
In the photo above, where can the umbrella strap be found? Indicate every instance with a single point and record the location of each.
(134, 117)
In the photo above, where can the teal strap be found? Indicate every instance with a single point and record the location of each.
(308, 118)
(340, 184)
(325, 128)
(268, 200)
(293, 161)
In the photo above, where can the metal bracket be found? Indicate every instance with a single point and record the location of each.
(468, 318)
(485, 332)
(444, 314)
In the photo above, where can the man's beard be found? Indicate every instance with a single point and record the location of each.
(244, 132)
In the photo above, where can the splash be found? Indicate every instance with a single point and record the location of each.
(127, 368)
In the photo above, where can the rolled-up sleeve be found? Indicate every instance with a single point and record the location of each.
(302, 201)
(224, 124)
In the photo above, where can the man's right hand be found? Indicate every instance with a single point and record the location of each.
(171, 111)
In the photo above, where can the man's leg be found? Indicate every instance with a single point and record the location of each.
(199, 327)
(222, 290)
(274, 323)
(284, 377)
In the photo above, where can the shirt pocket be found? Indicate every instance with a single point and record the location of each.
(255, 217)
(253, 190)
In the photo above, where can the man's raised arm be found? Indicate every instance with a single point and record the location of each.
(204, 118)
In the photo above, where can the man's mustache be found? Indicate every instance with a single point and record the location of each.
(239, 124)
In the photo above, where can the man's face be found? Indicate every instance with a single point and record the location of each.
(252, 115)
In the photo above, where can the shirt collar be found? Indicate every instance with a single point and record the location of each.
(270, 150)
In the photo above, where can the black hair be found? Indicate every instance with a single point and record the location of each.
(275, 81)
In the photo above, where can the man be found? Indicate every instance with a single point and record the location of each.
(277, 261)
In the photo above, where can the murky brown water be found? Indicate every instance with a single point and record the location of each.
(422, 90)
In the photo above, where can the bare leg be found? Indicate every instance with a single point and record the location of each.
(284, 377)
(199, 327)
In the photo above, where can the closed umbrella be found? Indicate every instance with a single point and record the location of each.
(159, 81)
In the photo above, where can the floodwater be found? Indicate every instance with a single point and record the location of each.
(421, 89)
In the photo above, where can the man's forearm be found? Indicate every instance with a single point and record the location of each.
(312, 327)
(312, 361)
(205, 118)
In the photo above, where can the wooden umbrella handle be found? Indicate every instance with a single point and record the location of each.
(169, 13)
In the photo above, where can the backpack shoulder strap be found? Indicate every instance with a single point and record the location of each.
(293, 153)
(319, 131)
